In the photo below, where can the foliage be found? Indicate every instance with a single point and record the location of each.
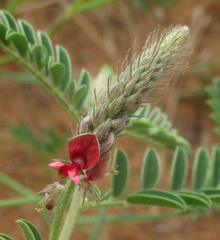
(52, 67)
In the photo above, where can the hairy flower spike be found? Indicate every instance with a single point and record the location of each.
(111, 112)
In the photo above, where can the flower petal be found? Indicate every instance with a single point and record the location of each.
(73, 175)
(56, 164)
(84, 150)
(100, 169)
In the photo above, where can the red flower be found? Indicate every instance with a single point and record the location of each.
(84, 153)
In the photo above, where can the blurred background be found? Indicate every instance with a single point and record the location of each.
(93, 38)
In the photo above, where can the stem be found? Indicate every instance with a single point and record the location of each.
(98, 222)
(61, 209)
(72, 214)
(19, 201)
(130, 218)
(11, 183)
(110, 203)
(77, 7)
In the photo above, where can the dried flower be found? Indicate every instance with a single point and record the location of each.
(51, 192)
(84, 154)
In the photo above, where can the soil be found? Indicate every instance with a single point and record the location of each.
(94, 38)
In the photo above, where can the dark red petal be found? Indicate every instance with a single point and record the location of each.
(100, 169)
(84, 150)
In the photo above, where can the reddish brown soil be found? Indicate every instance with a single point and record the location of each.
(112, 32)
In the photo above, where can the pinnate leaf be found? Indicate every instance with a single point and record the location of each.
(29, 230)
(157, 198)
(119, 181)
(179, 170)
(150, 170)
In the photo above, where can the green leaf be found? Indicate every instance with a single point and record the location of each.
(215, 181)
(200, 169)
(157, 198)
(179, 170)
(213, 194)
(119, 181)
(150, 169)
(46, 42)
(63, 57)
(192, 198)
(28, 31)
(79, 94)
(84, 80)
(154, 115)
(29, 230)
(20, 42)
(5, 237)
(9, 20)
(40, 56)
(3, 31)
(157, 130)
(71, 90)
(57, 71)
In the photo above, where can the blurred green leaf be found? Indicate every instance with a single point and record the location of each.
(5, 237)
(213, 194)
(63, 57)
(9, 20)
(29, 230)
(200, 169)
(3, 31)
(192, 198)
(40, 56)
(119, 181)
(20, 42)
(150, 171)
(157, 198)
(46, 42)
(57, 71)
(179, 170)
(84, 80)
(28, 31)
(215, 181)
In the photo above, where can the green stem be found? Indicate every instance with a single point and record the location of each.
(77, 7)
(109, 203)
(71, 216)
(61, 209)
(98, 223)
(44, 81)
(11, 183)
(82, 220)
(19, 201)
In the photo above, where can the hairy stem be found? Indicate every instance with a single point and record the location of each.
(61, 209)
(71, 216)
